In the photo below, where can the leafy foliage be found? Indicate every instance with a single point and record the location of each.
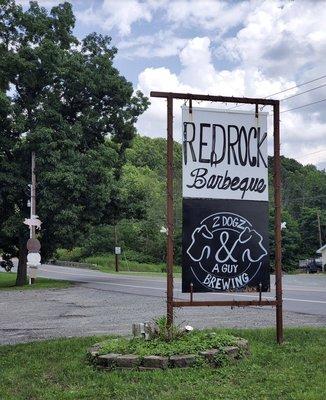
(190, 343)
(61, 98)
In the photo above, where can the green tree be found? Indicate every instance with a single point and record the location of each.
(60, 98)
(310, 231)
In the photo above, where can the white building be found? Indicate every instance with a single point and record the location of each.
(322, 251)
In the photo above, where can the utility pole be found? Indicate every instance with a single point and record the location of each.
(115, 248)
(33, 201)
(319, 229)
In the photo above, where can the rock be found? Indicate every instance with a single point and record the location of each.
(142, 330)
(95, 347)
(183, 361)
(127, 361)
(93, 353)
(108, 360)
(210, 354)
(243, 345)
(232, 352)
(94, 350)
(155, 362)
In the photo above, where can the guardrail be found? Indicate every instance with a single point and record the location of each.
(73, 264)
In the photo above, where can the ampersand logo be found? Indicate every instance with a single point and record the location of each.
(226, 252)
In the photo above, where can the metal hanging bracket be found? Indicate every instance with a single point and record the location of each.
(190, 105)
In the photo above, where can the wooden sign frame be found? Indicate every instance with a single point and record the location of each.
(278, 302)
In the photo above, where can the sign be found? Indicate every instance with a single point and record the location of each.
(33, 259)
(117, 250)
(33, 245)
(225, 201)
(224, 155)
(33, 222)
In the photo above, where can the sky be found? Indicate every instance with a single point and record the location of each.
(231, 48)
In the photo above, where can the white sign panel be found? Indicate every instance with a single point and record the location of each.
(34, 259)
(224, 154)
(117, 250)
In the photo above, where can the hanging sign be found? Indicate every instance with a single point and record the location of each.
(225, 201)
(117, 250)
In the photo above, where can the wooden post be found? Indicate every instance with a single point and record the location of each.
(33, 201)
(169, 173)
(115, 249)
(277, 225)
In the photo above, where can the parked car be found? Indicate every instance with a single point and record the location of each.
(314, 266)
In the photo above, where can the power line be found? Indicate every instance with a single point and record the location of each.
(286, 90)
(306, 91)
(305, 105)
(309, 154)
(296, 86)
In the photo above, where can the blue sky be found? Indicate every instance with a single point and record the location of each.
(239, 48)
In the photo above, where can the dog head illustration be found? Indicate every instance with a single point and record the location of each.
(252, 240)
(200, 247)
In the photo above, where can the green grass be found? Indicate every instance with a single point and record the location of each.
(191, 343)
(8, 279)
(106, 263)
(58, 370)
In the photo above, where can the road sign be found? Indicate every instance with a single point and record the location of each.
(117, 250)
(225, 201)
(33, 245)
(33, 222)
(33, 259)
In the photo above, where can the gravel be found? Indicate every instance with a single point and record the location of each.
(82, 311)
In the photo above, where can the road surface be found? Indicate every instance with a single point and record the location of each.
(101, 303)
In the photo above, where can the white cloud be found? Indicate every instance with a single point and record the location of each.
(207, 14)
(280, 37)
(301, 135)
(117, 14)
(161, 44)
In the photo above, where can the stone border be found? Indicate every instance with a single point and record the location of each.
(213, 357)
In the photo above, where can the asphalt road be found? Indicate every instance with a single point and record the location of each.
(101, 303)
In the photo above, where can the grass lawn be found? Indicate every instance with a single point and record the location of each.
(57, 370)
(8, 279)
(106, 263)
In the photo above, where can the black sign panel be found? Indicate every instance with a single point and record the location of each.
(225, 245)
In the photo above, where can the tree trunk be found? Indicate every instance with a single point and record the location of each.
(22, 264)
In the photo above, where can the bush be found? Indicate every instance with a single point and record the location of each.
(100, 241)
(132, 255)
(75, 254)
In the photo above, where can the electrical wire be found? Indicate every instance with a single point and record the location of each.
(286, 90)
(296, 86)
(306, 91)
(305, 105)
(309, 154)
